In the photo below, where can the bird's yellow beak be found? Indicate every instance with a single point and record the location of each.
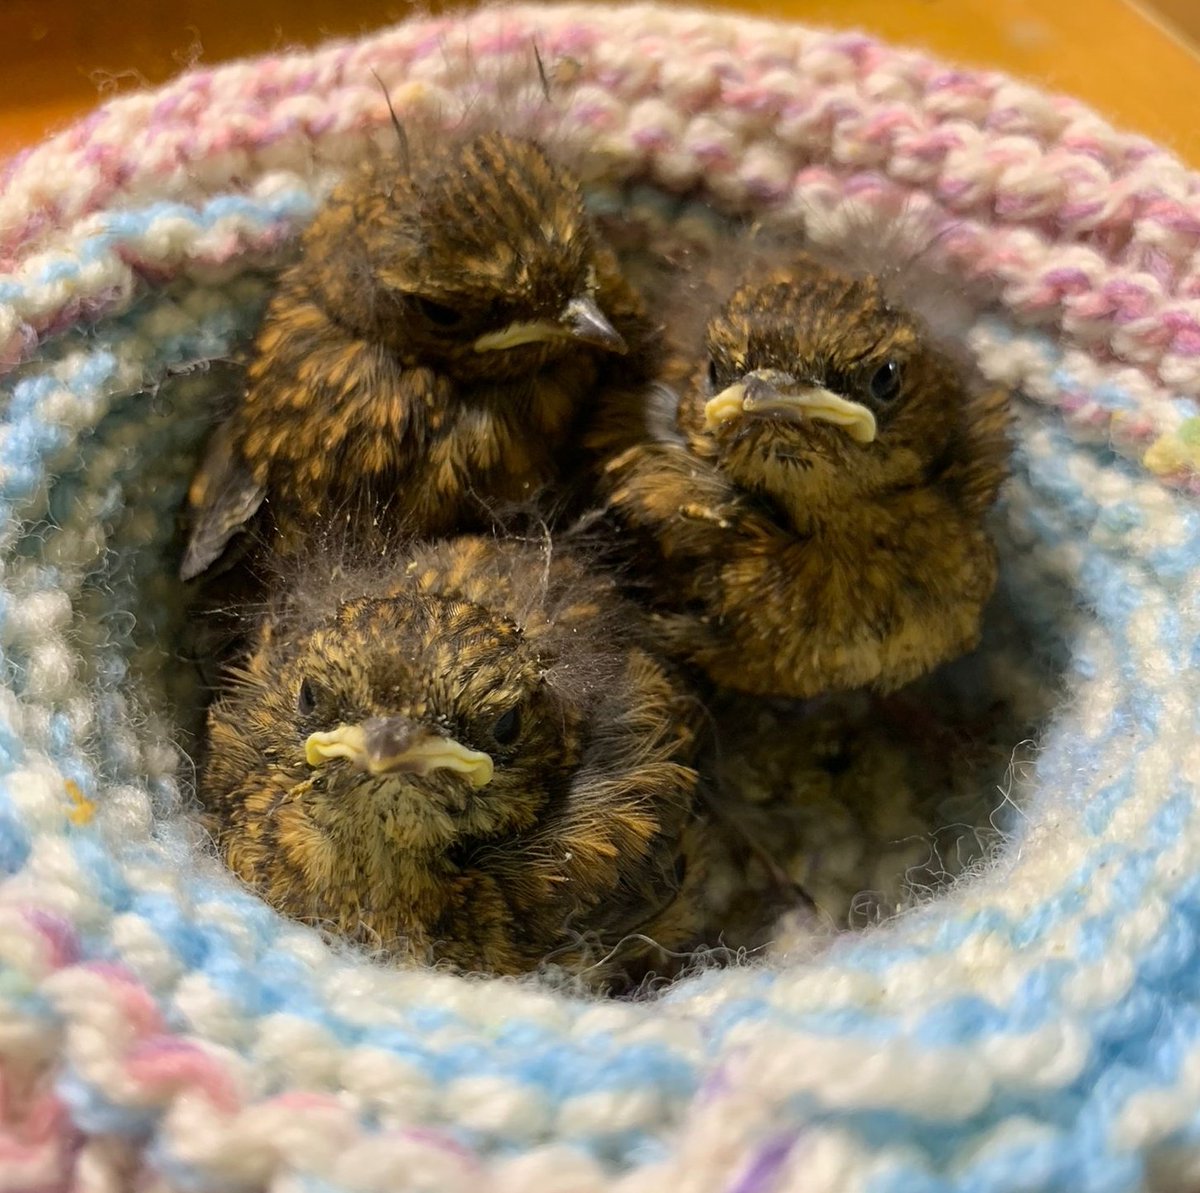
(770, 392)
(581, 320)
(394, 745)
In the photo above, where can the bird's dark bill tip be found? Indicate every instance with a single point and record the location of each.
(588, 324)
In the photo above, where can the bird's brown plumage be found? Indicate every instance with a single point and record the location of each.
(433, 352)
(789, 554)
(586, 832)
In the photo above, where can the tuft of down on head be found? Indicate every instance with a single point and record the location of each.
(467, 757)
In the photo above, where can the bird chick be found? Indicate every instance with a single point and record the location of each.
(467, 759)
(431, 352)
(818, 523)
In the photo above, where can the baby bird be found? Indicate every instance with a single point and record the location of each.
(431, 353)
(467, 759)
(818, 523)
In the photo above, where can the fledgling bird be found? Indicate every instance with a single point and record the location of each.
(432, 352)
(818, 521)
(465, 757)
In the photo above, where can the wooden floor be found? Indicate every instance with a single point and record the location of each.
(60, 57)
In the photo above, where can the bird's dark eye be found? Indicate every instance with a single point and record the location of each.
(439, 313)
(713, 374)
(885, 382)
(306, 699)
(507, 727)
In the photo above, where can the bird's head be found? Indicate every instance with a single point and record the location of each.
(424, 719)
(475, 258)
(818, 390)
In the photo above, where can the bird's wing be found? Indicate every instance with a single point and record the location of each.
(685, 503)
(223, 497)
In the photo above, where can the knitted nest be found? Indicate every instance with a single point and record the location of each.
(1035, 1025)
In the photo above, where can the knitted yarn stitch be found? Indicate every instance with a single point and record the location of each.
(1037, 1027)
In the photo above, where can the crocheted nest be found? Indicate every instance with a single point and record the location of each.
(1034, 1026)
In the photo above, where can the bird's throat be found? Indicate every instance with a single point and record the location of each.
(807, 498)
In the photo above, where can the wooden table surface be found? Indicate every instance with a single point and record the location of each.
(60, 57)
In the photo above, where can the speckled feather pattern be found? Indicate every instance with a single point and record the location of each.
(1033, 1028)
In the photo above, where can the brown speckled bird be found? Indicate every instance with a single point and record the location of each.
(819, 521)
(432, 352)
(468, 758)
